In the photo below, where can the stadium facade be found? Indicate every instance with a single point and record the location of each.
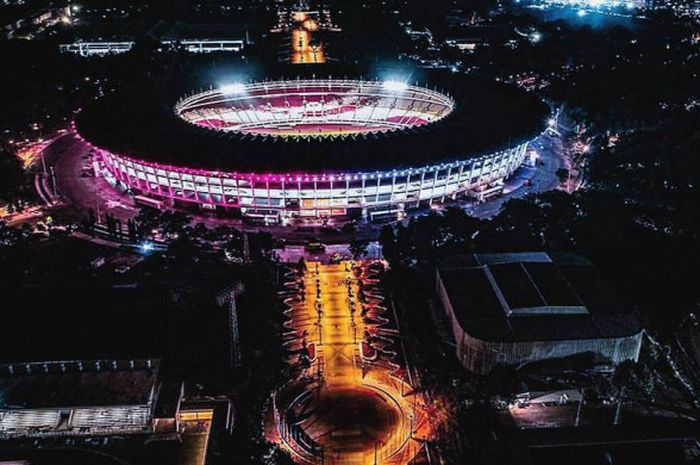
(517, 309)
(296, 148)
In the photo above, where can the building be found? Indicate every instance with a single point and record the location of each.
(27, 20)
(520, 308)
(106, 47)
(190, 37)
(81, 398)
(291, 148)
(471, 38)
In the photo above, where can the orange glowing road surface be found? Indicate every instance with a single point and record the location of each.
(196, 415)
(344, 409)
(195, 427)
(303, 49)
(338, 331)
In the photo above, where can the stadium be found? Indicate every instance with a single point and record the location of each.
(296, 147)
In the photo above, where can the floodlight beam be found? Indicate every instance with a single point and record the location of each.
(232, 89)
(394, 86)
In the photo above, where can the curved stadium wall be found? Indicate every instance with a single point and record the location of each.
(313, 195)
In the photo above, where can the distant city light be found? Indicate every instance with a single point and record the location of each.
(583, 7)
(394, 86)
(231, 89)
(146, 247)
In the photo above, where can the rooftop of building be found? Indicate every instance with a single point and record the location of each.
(520, 297)
(22, 11)
(77, 383)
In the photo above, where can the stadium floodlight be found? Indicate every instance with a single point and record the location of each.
(234, 88)
(394, 86)
(146, 247)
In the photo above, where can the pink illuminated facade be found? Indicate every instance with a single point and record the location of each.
(315, 109)
(314, 195)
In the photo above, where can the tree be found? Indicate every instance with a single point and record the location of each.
(562, 174)
(358, 248)
(89, 221)
(146, 219)
(199, 230)
(387, 240)
(111, 224)
(173, 221)
(183, 249)
(132, 230)
(261, 244)
(11, 173)
(348, 228)
(501, 380)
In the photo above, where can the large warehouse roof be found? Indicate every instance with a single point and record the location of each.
(96, 383)
(139, 122)
(533, 297)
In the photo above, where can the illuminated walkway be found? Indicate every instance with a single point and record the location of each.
(303, 51)
(347, 411)
(339, 326)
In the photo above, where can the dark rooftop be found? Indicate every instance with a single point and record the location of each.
(93, 383)
(533, 297)
(140, 123)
